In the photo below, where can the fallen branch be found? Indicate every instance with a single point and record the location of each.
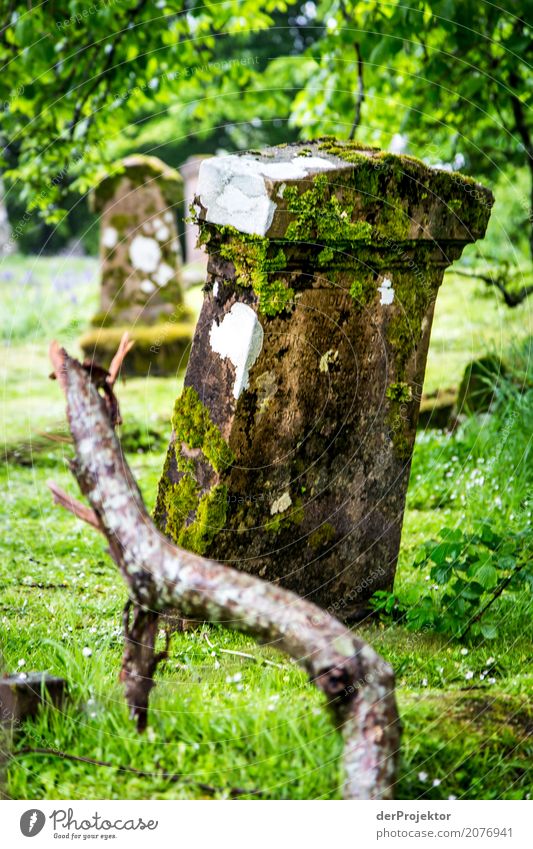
(358, 684)
(244, 654)
(234, 792)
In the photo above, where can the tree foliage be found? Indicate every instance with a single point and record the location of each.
(74, 74)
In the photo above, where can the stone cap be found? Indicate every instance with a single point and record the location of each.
(139, 170)
(331, 191)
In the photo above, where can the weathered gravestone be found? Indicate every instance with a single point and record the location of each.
(293, 436)
(141, 288)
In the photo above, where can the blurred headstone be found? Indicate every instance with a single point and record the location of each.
(479, 384)
(195, 269)
(140, 256)
(6, 242)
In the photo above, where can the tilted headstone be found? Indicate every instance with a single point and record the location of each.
(140, 258)
(194, 272)
(293, 437)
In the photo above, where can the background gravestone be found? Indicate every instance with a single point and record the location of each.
(194, 272)
(140, 260)
(292, 439)
(6, 242)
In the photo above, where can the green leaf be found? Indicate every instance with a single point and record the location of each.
(486, 575)
(488, 629)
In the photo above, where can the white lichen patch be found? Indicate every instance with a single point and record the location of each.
(328, 359)
(235, 190)
(162, 233)
(109, 237)
(147, 287)
(163, 274)
(281, 504)
(315, 163)
(215, 289)
(239, 338)
(145, 254)
(386, 291)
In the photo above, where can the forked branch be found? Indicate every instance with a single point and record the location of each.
(358, 684)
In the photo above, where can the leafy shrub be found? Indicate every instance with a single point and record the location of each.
(470, 572)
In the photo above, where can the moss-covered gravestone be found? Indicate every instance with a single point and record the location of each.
(140, 256)
(292, 439)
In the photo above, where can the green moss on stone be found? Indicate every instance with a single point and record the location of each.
(400, 392)
(363, 289)
(322, 536)
(350, 151)
(189, 517)
(193, 425)
(159, 349)
(257, 268)
(321, 216)
(210, 518)
(121, 221)
(180, 500)
(325, 256)
(139, 169)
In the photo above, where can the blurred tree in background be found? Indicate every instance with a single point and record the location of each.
(447, 80)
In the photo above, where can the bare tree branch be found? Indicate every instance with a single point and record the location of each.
(125, 346)
(360, 91)
(512, 299)
(234, 792)
(358, 684)
(81, 511)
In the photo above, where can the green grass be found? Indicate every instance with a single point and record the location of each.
(217, 718)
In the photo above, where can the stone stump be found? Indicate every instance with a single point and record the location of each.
(292, 439)
(194, 272)
(21, 696)
(140, 258)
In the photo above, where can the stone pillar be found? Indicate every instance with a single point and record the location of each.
(293, 437)
(194, 272)
(140, 255)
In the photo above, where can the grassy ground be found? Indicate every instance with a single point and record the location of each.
(218, 718)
